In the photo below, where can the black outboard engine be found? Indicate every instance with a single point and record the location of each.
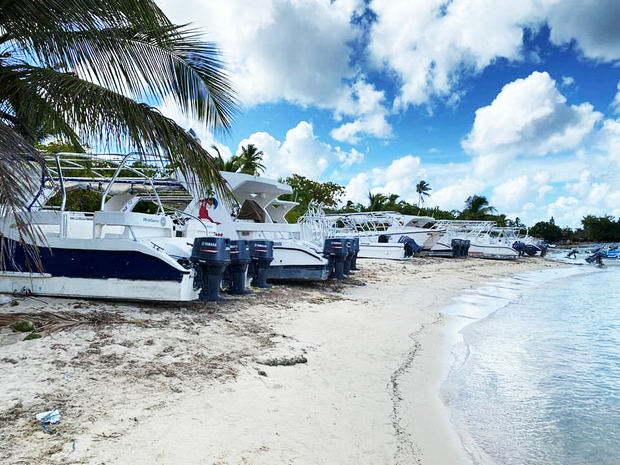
(460, 248)
(336, 251)
(211, 255)
(466, 243)
(530, 249)
(356, 249)
(261, 252)
(349, 258)
(519, 247)
(596, 257)
(411, 246)
(457, 248)
(239, 261)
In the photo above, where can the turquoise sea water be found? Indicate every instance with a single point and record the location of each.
(536, 377)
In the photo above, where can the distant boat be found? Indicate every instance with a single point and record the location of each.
(483, 243)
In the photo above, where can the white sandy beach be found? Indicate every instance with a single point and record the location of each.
(304, 374)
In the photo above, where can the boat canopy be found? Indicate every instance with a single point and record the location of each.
(262, 190)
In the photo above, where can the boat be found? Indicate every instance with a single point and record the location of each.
(606, 255)
(483, 242)
(258, 214)
(111, 253)
(382, 235)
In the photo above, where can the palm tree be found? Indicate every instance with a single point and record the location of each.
(423, 189)
(250, 160)
(376, 202)
(231, 165)
(89, 71)
(477, 207)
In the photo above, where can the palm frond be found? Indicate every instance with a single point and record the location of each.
(18, 180)
(141, 62)
(67, 15)
(103, 117)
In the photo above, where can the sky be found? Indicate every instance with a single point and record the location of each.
(517, 100)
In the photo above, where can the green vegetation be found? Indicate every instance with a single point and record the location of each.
(249, 161)
(423, 189)
(601, 228)
(477, 208)
(547, 230)
(305, 190)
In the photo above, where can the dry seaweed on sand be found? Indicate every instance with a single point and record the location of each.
(65, 321)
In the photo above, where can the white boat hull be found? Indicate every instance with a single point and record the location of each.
(297, 261)
(112, 288)
(495, 252)
(385, 251)
(491, 251)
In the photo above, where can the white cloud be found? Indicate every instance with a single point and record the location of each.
(348, 158)
(301, 152)
(517, 192)
(433, 44)
(292, 50)
(429, 43)
(454, 194)
(568, 81)
(512, 193)
(592, 24)
(616, 103)
(530, 117)
(371, 114)
(400, 177)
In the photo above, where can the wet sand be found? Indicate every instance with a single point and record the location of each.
(345, 373)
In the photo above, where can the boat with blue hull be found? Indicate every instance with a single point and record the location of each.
(112, 253)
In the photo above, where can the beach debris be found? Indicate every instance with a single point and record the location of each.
(62, 321)
(262, 373)
(51, 417)
(23, 326)
(283, 361)
(33, 335)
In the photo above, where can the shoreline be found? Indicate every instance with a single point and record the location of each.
(331, 373)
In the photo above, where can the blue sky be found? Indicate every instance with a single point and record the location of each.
(517, 100)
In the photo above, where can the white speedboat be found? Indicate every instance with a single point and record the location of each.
(382, 235)
(113, 253)
(259, 215)
(483, 244)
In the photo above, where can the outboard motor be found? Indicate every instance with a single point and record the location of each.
(530, 249)
(349, 258)
(211, 255)
(457, 247)
(336, 250)
(356, 249)
(411, 246)
(460, 248)
(466, 244)
(261, 253)
(519, 247)
(596, 257)
(239, 261)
